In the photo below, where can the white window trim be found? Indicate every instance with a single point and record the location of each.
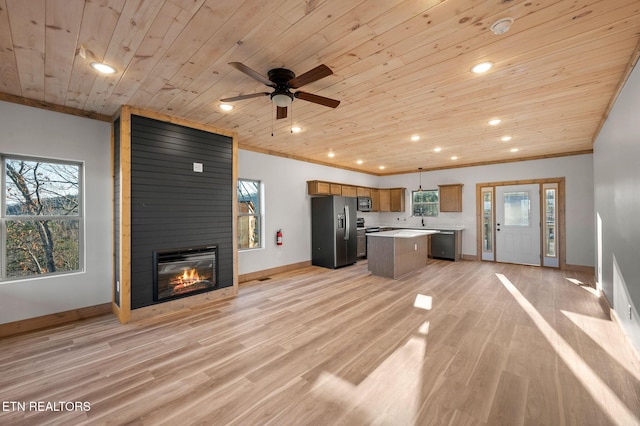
(4, 218)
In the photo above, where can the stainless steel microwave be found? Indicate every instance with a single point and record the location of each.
(364, 204)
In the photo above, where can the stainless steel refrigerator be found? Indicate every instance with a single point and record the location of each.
(334, 239)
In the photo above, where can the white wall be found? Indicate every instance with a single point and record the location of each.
(578, 173)
(288, 206)
(37, 132)
(617, 201)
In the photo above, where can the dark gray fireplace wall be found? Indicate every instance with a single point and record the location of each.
(173, 206)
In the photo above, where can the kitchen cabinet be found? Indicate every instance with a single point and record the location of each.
(317, 187)
(451, 198)
(363, 192)
(375, 200)
(349, 191)
(385, 200)
(393, 254)
(397, 199)
(362, 243)
(391, 200)
(382, 200)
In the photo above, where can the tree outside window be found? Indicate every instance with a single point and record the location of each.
(41, 217)
(249, 214)
(425, 202)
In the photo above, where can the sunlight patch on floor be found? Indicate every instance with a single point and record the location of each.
(598, 330)
(423, 302)
(584, 286)
(602, 395)
(391, 394)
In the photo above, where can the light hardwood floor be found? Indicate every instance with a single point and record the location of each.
(459, 343)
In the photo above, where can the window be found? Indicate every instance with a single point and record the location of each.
(517, 209)
(41, 217)
(425, 203)
(249, 210)
(550, 220)
(487, 220)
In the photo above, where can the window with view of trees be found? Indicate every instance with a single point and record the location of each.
(41, 217)
(248, 214)
(425, 202)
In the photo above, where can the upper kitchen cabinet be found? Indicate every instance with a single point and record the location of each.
(392, 200)
(397, 199)
(349, 191)
(375, 200)
(384, 196)
(363, 192)
(451, 197)
(316, 187)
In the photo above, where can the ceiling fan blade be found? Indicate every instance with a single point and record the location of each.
(321, 71)
(241, 97)
(281, 112)
(251, 73)
(316, 99)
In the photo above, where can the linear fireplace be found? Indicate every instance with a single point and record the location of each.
(184, 272)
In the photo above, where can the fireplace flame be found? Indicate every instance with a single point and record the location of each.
(188, 277)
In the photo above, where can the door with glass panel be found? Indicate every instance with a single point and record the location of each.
(518, 224)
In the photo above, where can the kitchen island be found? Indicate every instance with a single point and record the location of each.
(393, 254)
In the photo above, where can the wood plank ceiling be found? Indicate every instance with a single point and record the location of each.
(401, 68)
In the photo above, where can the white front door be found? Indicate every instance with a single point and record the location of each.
(518, 224)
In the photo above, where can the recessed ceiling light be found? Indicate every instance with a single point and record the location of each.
(331, 154)
(437, 149)
(495, 122)
(381, 167)
(415, 138)
(514, 149)
(454, 157)
(359, 161)
(296, 129)
(103, 68)
(506, 138)
(482, 67)
(226, 107)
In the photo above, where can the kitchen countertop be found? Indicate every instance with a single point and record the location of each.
(426, 227)
(403, 233)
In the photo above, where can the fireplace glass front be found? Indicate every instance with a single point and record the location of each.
(184, 272)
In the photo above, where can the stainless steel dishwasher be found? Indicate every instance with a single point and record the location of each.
(443, 245)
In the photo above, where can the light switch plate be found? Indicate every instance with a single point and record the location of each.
(197, 167)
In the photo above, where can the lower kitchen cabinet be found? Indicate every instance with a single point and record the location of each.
(362, 243)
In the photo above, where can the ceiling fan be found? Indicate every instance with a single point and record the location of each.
(283, 80)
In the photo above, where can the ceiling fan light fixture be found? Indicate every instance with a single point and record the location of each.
(281, 99)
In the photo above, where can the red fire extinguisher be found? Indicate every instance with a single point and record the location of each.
(279, 237)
